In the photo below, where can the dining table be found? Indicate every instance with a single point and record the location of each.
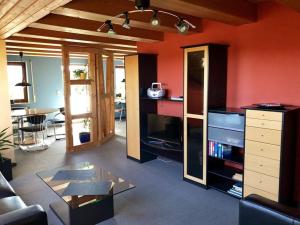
(20, 114)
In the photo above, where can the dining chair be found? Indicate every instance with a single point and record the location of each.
(36, 124)
(58, 119)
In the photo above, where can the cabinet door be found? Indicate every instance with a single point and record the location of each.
(195, 113)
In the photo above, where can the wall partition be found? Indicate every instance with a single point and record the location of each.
(89, 95)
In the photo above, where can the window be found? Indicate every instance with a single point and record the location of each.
(17, 74)
(120, 82)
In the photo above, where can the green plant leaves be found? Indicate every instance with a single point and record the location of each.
(5, 143)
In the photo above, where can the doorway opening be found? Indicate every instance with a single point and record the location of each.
(120, 99)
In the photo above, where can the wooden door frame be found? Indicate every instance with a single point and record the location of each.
(103, 124)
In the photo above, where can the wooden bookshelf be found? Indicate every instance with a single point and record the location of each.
(225, 149)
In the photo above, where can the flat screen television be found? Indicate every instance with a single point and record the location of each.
(165, 128)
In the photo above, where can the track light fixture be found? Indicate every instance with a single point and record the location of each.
(155, 21)
(110, 27)
(126, 21)
(182, 25)
(142, 4)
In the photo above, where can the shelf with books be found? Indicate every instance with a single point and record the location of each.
(230, 187)
(225, 150)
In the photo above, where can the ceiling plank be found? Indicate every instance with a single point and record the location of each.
(235, 12)
(37, 41)
(75, 38)
(103, 10)
(6, 5)
(25, 12)
(88, 27)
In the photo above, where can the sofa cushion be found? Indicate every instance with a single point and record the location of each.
(5, 189)
(9, 204)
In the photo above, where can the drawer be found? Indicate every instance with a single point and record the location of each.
(262, 165)
(227, 121)
(235, 138)
(264, 115)
(250, 190)
(261, 181)
(267, 124)
(263, 135)
(262, 149)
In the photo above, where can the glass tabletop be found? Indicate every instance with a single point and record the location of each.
(83, 183)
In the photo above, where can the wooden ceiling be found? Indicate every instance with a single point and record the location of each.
(41, 27)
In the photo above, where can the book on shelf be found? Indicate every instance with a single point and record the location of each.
(236, 190)
(238, 187)
(238, 176)
(235, 193)
(218, 150)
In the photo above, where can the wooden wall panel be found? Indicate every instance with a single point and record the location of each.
(5, 118)
(132, 106)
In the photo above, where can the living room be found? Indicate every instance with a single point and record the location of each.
(214, 141)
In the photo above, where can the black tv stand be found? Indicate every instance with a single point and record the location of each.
(162, 148)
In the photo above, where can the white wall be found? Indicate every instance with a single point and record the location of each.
(5, 118)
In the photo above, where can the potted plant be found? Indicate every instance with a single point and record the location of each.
(5, 163)
(85, 136)
(80, 74)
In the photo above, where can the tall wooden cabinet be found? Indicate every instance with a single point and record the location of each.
(141, 71)
(205, 81)
(270, 150)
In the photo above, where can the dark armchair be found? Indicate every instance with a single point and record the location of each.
(13, 211)
(256, 210)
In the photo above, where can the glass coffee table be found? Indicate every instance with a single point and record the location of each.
(86, 193)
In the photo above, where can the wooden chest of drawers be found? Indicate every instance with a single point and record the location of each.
(270, 146)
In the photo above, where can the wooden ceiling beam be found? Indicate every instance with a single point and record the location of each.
(235, 12)
(294, 4)
(17, 15)
(89, 27)
(37, 54)
(41, 42)
(52, 50)
(17, 45)
(74, 38)
(107, 10)
(44, 54)
(21, 48)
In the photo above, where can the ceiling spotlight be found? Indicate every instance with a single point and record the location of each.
(110, 27)
(182, 26)
(155, 21)
(126, 21)
(142, 4)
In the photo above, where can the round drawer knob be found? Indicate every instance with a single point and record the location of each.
(261, 165)
(260, 182)
(261, 135)
(262, 124)
(261, 149)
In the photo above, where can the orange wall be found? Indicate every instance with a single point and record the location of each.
(263, 66)
(264, 58)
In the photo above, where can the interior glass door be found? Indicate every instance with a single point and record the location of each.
(195, 113)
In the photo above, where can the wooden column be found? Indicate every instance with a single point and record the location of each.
(5, 112)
